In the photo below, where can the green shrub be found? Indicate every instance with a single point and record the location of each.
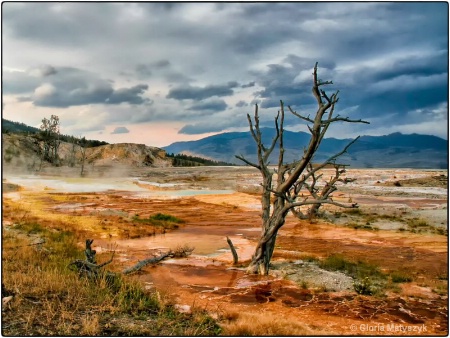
(415, 223)
(364, 287)
(166, 218)
(160, 220)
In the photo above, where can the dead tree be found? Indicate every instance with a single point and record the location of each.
(281, 196)
(324, 193)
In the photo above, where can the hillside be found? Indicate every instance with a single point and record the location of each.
(16, 127)
(11, 127)
(389, 151)
(18, 138)
(21, 153)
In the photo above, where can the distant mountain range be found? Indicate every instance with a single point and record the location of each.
(390, 151)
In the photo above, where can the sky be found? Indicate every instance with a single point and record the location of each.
(157, 73)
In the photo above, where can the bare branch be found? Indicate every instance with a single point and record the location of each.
(275, 139)
(281, 145)
(344, 119)
(327, 201)
(315, 88)
(108, 262)
(250, 123)
(240, 157)
(300, 116)
(332, 158)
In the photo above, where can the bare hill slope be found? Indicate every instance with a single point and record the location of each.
(21, 153)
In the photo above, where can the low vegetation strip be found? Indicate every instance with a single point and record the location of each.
(159, 220)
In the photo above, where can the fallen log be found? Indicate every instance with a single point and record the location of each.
(146, 262)
(91, 269)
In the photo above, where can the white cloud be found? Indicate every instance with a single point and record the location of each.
(44, 91)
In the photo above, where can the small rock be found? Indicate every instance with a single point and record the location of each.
(183, 308)
(6, 300)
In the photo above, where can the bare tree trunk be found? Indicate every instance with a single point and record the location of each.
(266, 245)
(295, 185)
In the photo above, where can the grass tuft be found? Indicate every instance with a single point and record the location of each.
(400, 277)
(160, 220)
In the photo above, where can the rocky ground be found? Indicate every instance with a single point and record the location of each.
(398, 233)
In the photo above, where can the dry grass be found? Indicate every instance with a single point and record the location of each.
(90, 325)
(50, 299)
(260, 324)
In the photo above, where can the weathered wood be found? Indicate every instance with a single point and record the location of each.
(233, 251)
(89, 253)
(145, 262)
(89, 268)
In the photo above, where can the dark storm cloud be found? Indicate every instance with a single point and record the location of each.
(396, 84)
(279, 83)
(14, 82)
(392, 86)
(241, 104)
(199, 93)
(248, 85)
(24, 99)
(68, 24)
(120, 130)
(252, 32)
(143, 71)
(43, 71)
(73, 87)
(161, 64)
(214, 105)
(177, 77)
(130, 95)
